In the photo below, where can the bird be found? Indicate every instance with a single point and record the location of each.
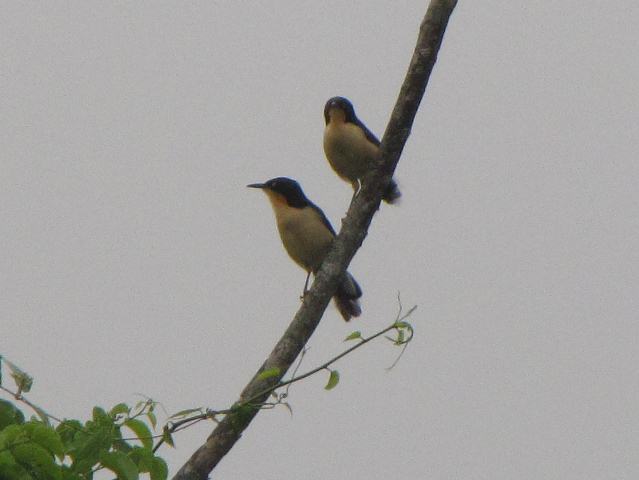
(351, 148)
(307, 236)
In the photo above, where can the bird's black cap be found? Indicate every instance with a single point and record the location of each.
(286, 187)
(343, 104)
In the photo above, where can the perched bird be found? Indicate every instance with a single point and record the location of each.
(307, 236)
(350, 147)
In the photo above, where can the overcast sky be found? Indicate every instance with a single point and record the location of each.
(134, 260)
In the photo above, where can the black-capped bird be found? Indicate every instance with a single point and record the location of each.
(307, 236)
(350, 147)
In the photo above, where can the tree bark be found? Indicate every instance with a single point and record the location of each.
(354, 230)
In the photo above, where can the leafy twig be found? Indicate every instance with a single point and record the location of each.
(399, 325)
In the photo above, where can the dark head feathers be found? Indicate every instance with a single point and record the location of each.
(345, 105)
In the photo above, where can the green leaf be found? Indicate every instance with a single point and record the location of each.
(68, 429)
(354, 336)
(9, 414)
(152, 419)
(23, 380)
(87, 444)
(119, 409)
(333, 380)
(67, 474)
(143, 457)
(9, 469)
(184, 413)
(46, 437)
(120, 464)
(100, 417)
(11, 434)
(159, 470)
(35, 458)
(141, 431)
(167, 437)
(6, 458)
(269, 373)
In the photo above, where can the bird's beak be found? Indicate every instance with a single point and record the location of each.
(256, 185)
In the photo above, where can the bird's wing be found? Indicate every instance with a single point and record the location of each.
(369, 135)
(322, 217)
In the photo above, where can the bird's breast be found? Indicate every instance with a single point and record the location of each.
(304, 235)
(348, 150)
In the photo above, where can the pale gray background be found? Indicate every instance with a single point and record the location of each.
(135, 260)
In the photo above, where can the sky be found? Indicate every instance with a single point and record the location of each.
(134, 261)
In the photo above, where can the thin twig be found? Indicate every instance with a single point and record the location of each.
(325, 365)
(21, 398)
(210, 414)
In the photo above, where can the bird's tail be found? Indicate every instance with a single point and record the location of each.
(392, 193)
(346, 298)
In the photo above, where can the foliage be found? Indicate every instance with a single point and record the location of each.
(119, 440)
(34, 449)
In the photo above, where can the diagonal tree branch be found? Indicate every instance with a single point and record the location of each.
(350, 238)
